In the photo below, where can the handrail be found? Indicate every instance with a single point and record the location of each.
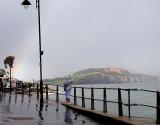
(125, 104)
(124, 89)
(119, 101)
(93, 99)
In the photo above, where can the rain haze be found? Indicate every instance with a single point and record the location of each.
(80, 34)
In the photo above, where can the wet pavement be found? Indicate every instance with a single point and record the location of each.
(26, 110)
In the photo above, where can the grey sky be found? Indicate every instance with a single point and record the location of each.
(79, 34)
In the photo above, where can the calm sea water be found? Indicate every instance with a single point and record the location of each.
(137, 97)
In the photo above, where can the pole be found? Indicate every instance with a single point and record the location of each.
(75, 98)
(40, 51)
(92, 99)
(104, 100)
(129, 102)
(37, 90)
(10, 80)
(120, 102)
(46, 91)
(57, 94)
(83, 100)
(158, 107)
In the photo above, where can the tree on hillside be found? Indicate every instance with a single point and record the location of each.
(9, 61)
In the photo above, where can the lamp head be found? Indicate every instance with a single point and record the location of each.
(26, 4)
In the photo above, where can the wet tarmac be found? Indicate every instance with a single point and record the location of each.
(26, 110)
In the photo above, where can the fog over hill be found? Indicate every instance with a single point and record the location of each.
(105, 76)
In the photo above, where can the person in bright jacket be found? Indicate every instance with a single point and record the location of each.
(67, 88)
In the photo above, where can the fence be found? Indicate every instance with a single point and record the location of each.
(104, 101)
(79, 93)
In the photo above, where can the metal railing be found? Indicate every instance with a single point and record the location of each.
(106, 101)
(28, 88)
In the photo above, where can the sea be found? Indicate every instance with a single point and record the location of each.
(136, 97)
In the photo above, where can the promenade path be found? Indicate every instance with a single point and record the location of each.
(18, 109)
(24, 110)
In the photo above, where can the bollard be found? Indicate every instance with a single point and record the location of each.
(46, 91)
(158, 107)
(75, 98)
(83, 100)
(104, 100)
(92, 99)
(37, 90)
(129, 102)
(57, 94)
(120, 102)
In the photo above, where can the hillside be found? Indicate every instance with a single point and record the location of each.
(104, 76)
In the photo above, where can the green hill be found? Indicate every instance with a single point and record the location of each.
(103, 76)
(83, 74)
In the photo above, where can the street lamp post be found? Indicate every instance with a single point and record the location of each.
(26, 4)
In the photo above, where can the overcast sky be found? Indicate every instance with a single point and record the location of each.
(80, 34)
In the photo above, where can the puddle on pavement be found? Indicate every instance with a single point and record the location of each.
(22, 109)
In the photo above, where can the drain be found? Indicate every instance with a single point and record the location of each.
(21, 118)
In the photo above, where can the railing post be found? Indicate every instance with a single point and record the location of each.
(83, 100)
(75, 98)
(158, 107)
(104, 100)
(16, 89)
(129, 102)
(37, 90)
(15, 98)
(4, 87)
(29, 89)
(46, 91)
(92, 99)
(57, 94)
(120, 102)
(22, 88)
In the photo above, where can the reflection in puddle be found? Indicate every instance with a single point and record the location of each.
(29, 101)
(28, 110)
(67, 116)
(46, 107)
(75, 116)
(41, 110)
(57, 111)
